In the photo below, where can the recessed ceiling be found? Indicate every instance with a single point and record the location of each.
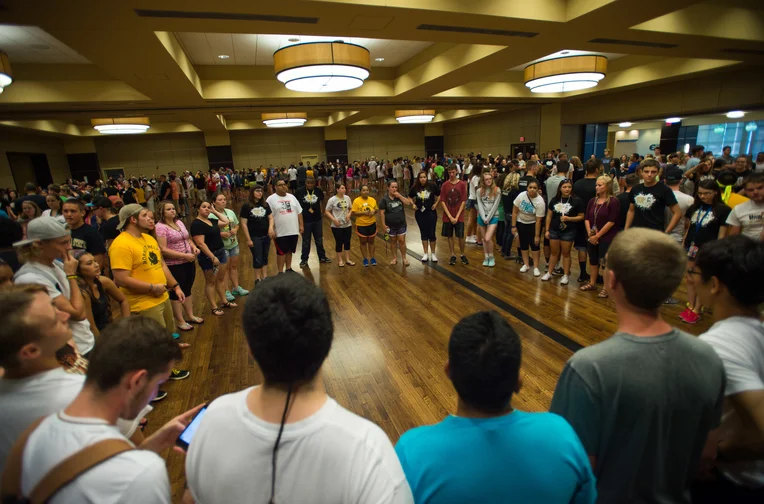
(568, 52)
(252, 49)
(30, 44)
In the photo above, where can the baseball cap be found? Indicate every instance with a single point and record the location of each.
(44, 228)
(126, 212)
(674, 175)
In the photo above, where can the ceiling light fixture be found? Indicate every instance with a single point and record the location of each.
(379, 59)
(121, 125)
(284, 120)
(223, 56)
(751, 127)
(561, 75)
(735, 114)
(624, 125)
(294, 39)
(322, 67)
(672, 120)
(414, 116)
(6, 76)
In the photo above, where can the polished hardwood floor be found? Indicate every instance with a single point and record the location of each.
(392, 325)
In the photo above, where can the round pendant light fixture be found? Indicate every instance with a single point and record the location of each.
(751, 127)
(624, 125)
(561, 75)
(735, 114)
(672, 120)
(719, 129)
(6, 76)
(322, 67)
(414, 116)
(284, 120)
(121, 125)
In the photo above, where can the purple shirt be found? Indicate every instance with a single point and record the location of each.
(606, 212)
(176, 240)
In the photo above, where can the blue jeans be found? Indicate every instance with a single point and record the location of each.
(317, 230)
(261, 247)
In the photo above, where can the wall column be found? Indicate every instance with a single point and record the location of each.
(551, 127)
(433, 140)
(336, 143)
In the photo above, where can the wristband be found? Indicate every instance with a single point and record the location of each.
(71, 277)
(171, 288)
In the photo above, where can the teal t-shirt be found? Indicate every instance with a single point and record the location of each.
(519, 457)
(233, 221)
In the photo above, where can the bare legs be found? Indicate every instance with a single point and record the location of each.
(487, 232)
(233, 272)
(399, 243)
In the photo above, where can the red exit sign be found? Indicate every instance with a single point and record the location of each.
(522, 139)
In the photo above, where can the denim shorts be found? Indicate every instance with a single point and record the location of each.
(206, 263)
(232, 252)
(568, 234)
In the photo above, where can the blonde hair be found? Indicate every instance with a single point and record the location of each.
(608, 184)
(511, 181)
(575, 161)
(482, 186)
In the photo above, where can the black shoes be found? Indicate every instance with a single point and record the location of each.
(161, 395)
(303, 263)
(452, 261)
(464, 260)
(325, 260)
(558, 272)
(179, 374)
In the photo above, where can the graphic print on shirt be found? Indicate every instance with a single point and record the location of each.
(453, 198)
(310, 199)
(706, 219)
(644, 201)
(562, 208)
(394, 205)
(285, 206)
(527, 207)
(258, 212)
(423, 195)
(79, 244)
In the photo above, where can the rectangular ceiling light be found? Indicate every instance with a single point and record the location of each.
(639, 43)
(480, 31)
(234, 16)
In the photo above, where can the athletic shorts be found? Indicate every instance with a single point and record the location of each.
(448, 230)
(494, 220)
(286, 244)
(367, 231)
(397, 231)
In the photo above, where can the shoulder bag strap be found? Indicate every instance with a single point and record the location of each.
(11, 482)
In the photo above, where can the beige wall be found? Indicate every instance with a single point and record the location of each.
(15, 141)
(152, 154)
(492, 134)
(571, 138)
(279, 147)
(386, 142)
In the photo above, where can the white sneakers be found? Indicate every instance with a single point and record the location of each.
(433, 258)
(564, 280)
(424, 258)
(536, 272)
(546, 277)
(429, 257)
(524, 268)
(471, 239)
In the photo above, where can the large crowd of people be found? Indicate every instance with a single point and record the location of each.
(651, 414)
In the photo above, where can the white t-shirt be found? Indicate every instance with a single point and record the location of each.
(59, 216)
(685, 202)
(529, 208)
(25, 400)
(750, 216)
(136, 476)
(54, 279)
(292, 172)
(340, 209)
(739, 342)
(332, 457)
(285, 211)
(474, 182)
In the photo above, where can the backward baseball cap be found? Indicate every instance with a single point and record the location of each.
(128, 211)
(44, 228)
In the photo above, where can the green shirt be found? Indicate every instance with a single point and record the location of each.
(439, 171)
(233, 221)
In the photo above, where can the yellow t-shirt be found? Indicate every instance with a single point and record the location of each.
(359, 205)
(140, 196)
(736, 199)
(143, 258)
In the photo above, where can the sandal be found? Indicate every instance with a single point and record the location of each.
(185, 327)
(341, 264)
(218, 311)
(229, 304)
(587, 287)
(602, 294)
(350, 263)
(406, 263)
(195, 320)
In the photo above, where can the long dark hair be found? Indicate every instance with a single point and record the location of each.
(708, 185)
(417, 185)
(252, 196)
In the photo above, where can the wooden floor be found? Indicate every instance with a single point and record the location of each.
(390, 341)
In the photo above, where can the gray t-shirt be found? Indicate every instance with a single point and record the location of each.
(643, 407)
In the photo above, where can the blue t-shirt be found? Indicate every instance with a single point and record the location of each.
(633, 167)
(519, 457)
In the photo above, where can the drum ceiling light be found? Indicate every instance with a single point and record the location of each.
(414, 116)
(121, 125)
(284, 120)
(6, 76)
(322, 67)
(561, 75)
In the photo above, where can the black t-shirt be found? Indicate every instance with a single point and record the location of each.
(571, 206)
(585, 189)
(579, 172)
(200, 183)
(257, 219)
(128, 196)
(705, 222)
(524, 181)
(741, 176)
(164, 189)
(111, 191)
(310, 200)
(211, 234)
(302, 174)
(39, 199)
(549, 163)
(425, 197)
(650, 205)
(87, 238)
(394, 216)
(109, 229)
(623, 201)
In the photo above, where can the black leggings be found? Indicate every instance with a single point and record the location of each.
(427, 222)
(527, 235)
(342, 237)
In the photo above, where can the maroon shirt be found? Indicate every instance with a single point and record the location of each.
(453, 195)
(607, 212)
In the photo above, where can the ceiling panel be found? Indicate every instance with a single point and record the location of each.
(30, 44)
(253, 49)
(568, 53)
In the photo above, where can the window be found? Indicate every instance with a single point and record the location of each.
(744, 137)
(595, 140)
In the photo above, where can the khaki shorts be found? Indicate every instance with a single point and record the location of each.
(162, 313)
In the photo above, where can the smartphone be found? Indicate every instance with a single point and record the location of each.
(188, 433)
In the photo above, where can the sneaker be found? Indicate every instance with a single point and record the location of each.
(491, 262)
(179, 374)
(425, 257)
(671, 301)
(161, 394)
(546, 277)
(485, 261)
(240, 291)
(564, 280)
(691, 317)
(303, 263)
(175, 335)
(373, 262)
(433, 258)
(365, 262)
(685, 312)
(546, 268)
(452, 261)
(464, 260)
(471, 239)
(536, 272)
(325, 260)
(524, 268)
(558, 272)
(229, 296)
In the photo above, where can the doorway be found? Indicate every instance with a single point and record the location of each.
(526, 148)
(29, 167)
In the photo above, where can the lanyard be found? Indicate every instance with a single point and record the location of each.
(699, 222)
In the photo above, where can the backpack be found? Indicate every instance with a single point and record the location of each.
(61, 475)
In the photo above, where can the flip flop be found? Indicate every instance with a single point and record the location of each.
(185, 327)
(350, 263)
(196, 320)
(341, 264)
(218, 311)
(602, 294)
(587, 287)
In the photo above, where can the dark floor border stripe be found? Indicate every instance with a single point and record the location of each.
(544, 329)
